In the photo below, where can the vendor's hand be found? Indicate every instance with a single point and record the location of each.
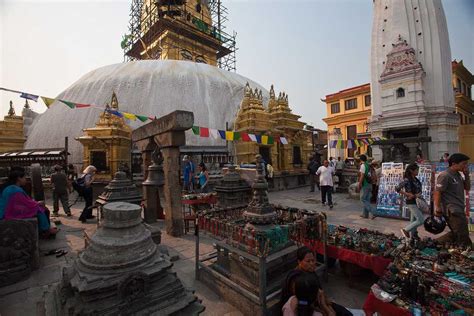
(410, 196)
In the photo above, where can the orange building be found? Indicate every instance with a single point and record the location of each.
(348, 111)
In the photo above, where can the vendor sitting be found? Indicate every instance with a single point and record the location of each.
(16, 204)
(306, 264)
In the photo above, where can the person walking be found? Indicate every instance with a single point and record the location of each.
(365, 187)
(411, 188)
(325, 173)
(59, 181)
(203, 178)
(450, 201)
(87, 178)
(313, 167)
(188, 174)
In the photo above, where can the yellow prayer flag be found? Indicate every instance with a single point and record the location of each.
(129, 116)
(48, 101)
(229, 135)
(264, 139)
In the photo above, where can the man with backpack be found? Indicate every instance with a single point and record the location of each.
(367, 177)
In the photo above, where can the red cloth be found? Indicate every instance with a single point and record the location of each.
(375, 263)
(373, 305)
(21, 206)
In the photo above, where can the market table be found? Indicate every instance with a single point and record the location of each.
(375, 263)
(373, 305)
(191, 205)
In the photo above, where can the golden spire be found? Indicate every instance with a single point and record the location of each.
(11, 111)
(114, 102)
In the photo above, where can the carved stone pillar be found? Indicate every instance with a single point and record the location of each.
(172, 190)
(153, 209)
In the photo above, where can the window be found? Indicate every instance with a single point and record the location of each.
(367, 100)
(460, 118)
(99, 160)
(458, 86)
(335, 108)
(400, 93)
(297, 155)
(464, 89)
(351, 104)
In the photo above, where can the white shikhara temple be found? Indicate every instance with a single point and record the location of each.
(412, 95)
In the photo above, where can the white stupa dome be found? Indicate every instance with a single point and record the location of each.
(151, 88)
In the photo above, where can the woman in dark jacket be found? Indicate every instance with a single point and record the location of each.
(411, 188)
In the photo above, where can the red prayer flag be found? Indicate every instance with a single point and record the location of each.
(78, 105)
(245, 137)
(203, 131)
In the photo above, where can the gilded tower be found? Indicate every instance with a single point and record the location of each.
(178, 30)
(11, 131)
(107, 145)
(274, 121)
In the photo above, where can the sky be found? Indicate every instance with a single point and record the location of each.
(306, 48)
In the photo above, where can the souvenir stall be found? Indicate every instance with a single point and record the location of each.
(426, 278)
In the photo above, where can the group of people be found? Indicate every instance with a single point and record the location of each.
(448, 197)
(15, 203)
(189, 176)
(325, 176)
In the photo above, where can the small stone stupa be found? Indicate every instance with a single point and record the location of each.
(259, 214)
(123, 273)
(232, 190)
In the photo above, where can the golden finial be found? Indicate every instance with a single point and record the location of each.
(247, 90)
(11, 111)
(114, 101)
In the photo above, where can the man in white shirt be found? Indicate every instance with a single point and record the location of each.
(325, 173)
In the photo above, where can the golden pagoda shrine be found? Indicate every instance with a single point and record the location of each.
(12, 136)
(107, 145)
(276, 121)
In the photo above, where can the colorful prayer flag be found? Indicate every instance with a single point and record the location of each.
(69, 104)
(371, 141)
(245, 137)
(195, 130)
(48, 101)
(264, 139)
(222, 134)
(253, 137)
(229, 135)
(237, 135)
(350, 144)
(142, 118)
(258, 138)
(340, 144)
(28, 96)
(214, 133)
(283, 140)
(271, 140)
(116, 113)
(203, 131)
(79, 106)
(129, 116)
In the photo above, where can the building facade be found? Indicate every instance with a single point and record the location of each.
(339, 119)
(347, 113)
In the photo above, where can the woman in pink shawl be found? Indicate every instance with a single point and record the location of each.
(16, 204)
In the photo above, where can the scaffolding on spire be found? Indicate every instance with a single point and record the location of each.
(177, 29)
